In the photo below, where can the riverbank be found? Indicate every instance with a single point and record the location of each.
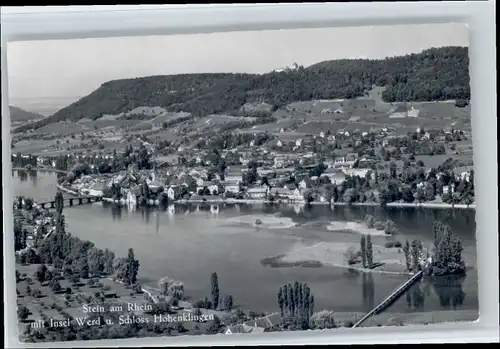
(410, 204)
(219, 200)
(402, 319)
(42, 169)
(66, 190)
(388, 260)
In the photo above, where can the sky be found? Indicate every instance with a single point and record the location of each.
(74, 68)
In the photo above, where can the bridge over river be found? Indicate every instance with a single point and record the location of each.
(70, 201)
(392, 297)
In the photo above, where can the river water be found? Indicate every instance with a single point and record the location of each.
(190, 242)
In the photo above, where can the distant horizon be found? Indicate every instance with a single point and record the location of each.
(67, 68)
(65, 98)
(14, 102)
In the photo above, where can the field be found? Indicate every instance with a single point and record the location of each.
(435, 160)
(33, 146)
(63, 128)
(60, 305)
(217, 120)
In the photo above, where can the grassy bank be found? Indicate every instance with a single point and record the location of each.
(401, 319)
(386, 260)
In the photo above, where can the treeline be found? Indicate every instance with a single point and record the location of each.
(434, 74)
(72, 256)
(445, 257)
(296, 303)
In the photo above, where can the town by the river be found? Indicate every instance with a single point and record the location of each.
(189, 242)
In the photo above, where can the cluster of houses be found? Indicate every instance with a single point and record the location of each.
(259, 325)
(177, 181)
(288, 154)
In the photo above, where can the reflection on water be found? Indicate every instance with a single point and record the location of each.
(190, 248)
(116, 212)
(448, 290)
(415, 297)
(368, 288)
(22, 175)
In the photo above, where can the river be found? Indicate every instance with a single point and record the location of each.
(190, 242)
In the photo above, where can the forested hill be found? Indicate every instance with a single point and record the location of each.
(434, 74)
(19, 115)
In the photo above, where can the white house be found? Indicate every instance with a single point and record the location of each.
(131, 199)
(279, 143)
(258, 192)
(200, 184)
(231, 186)
(449, 189)
(322, 134)
(96, 189)
(173, 192)
(337, 178)
(303, 184)
(285, 193)
(360, 172)
(279, 161)
(214, 189)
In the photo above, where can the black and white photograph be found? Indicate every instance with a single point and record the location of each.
(242, 182)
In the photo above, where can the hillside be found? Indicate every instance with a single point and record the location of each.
(20, 115)
(434, 74)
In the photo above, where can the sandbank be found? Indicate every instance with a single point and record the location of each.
(333, 254)
(355, 227)
(266, 221)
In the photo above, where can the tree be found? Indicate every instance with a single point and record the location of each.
(109, 257)
(406, 250)
(281, 301)
(214, 282)
(19, 236)
(350, 256)
(393, 169)
(350, 195)
(415, 255)
(96, 261)
(369, 251)
(363, 251)
(408, 195)
(420, 195)
(22, 312)
(132, 268)
(390, 227)
(41, 273)
(56, 286)
(59, 203)
(227, 302)
(82, 266)
(297, 303)
(447, 258)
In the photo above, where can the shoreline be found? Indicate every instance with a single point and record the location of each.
(411, 204)
(302, 203)
(42, 169)
(66, 190)
(386, 318)
(332, 254)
